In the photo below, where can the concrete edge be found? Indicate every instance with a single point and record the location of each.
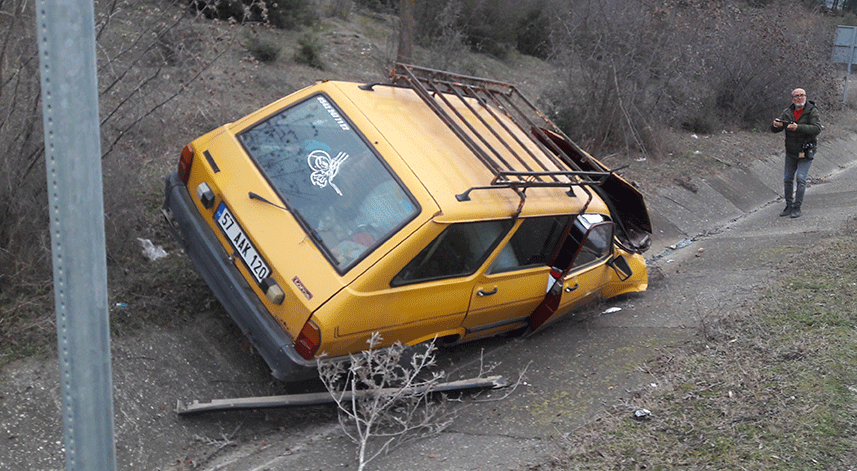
(686, 212)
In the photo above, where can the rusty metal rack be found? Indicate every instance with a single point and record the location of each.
(554, 160)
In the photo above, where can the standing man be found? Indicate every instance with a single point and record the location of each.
(802, 124)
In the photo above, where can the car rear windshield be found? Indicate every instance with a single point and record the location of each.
(324, 171)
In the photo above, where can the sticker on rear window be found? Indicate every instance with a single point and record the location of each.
(324, 168)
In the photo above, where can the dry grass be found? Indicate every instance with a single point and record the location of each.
(772, 387)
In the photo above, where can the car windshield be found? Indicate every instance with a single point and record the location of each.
(324, 170)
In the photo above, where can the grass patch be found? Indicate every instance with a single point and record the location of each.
(163, 293)
(309, 52)
(27, 326)
(771, 388)
(262, 50)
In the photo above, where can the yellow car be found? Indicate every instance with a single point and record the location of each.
(434, 206)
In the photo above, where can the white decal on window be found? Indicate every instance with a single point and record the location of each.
(324, 168)
(334, 114)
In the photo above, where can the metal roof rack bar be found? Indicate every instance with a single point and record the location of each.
(403, 73)
(500, 122)
(510, 168)
(441, 95)
(555, 150)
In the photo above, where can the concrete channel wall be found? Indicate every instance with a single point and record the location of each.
(680, 214)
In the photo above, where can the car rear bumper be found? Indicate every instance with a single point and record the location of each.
(229, 286)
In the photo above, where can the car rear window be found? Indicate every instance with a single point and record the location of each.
(325, 171)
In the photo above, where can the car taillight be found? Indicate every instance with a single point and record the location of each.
(185, 162)
(308, 340)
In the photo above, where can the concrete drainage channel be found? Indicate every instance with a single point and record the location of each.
(680, 216)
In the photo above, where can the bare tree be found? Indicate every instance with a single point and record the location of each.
(638, 66)
(406, 31)
(149, 53)
(384, 399)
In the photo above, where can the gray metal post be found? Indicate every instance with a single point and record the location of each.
(848, 74)
(843, 52)
(66, 36)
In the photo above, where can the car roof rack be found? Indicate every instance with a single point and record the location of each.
(511, 169)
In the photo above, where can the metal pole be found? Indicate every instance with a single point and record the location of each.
(66, 36)
(848, 70)
(850, 60)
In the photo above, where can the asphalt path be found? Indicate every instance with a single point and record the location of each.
(715, 250)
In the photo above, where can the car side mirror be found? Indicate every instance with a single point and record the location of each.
(621, 266)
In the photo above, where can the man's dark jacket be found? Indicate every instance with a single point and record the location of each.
(808, 127)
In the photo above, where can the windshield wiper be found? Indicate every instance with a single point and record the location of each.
(254, 196)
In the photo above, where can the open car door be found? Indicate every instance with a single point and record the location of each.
(583, 253)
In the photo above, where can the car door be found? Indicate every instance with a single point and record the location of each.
(435, 286)
(580, 268)
(515, 283)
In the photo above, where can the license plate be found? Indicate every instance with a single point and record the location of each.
(241, 243)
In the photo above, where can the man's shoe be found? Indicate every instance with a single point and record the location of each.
(795, 212)
(787, 211)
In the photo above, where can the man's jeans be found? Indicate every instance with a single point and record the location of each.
(795, 169)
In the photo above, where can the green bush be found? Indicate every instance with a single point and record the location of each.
(309, 52)
(261, 50)
(379, 5)
(283, 14)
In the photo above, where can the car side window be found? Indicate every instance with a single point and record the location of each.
(457, 251)
(531, 245)
(598, 242)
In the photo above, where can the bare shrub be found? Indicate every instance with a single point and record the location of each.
(25, 246)
(615, 74)
(339, 8)
(533, 31)
(262, 50)
(284, 14)
(24, 243)
(444, 48)
(769, 52)
(148, 54)
(695, 64)
(384, 396)
(385, 6)
(493, 27)
(142, 71)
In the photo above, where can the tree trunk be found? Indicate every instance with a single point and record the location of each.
(406, 31)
